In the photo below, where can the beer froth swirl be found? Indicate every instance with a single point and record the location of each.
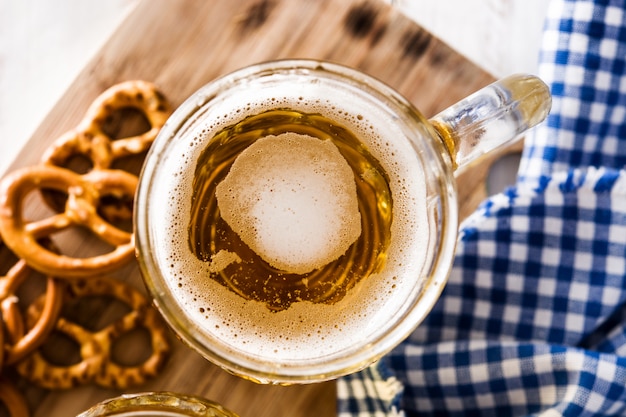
(251, 277)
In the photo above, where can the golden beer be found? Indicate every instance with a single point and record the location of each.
(252, 277)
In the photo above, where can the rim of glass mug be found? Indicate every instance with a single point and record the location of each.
(434, 157)
(157, 404)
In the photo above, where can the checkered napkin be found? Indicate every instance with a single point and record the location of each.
(533, 319)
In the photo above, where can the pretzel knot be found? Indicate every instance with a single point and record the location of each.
(85, 192)
(21, 343)
(91, 141)
(89, 138)
(97, 363)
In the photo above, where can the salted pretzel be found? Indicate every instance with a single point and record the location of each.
(17, 342)
(89, 139)
(81, 210)
(13, 399)
(97, 364)
(21, 343)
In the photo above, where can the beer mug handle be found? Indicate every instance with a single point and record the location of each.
(493, 117)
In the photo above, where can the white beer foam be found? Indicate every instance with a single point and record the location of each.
(292, 199)
(305, 331)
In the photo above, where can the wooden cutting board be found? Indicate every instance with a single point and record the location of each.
(182, 44)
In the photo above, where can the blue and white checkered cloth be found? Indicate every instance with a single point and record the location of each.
(533, 318)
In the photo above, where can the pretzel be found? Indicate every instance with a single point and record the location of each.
(81, 210)
(89, 139)
(18, 342)
(97, 364)
(13, 399)
(21, 343)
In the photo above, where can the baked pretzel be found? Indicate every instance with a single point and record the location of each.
(97, 364)
(89, 139)
(21, 343)
(13, 399)
(17, 342)
(81, 210)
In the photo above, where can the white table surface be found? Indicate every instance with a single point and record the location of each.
(44, 45)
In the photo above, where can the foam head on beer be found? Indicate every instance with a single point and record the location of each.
(292, 199)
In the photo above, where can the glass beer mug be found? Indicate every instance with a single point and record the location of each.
(296, 220)
(157, 404)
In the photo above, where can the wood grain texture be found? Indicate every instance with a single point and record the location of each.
(183, 44)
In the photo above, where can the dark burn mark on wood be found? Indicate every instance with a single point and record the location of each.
(256, 15)
(378, 33)
(438, 55)
(415, 42)
(360, 20)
